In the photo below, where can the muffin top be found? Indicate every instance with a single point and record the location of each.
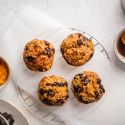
(87, 87)
(77, 49)
(53, 90)
(38, 55)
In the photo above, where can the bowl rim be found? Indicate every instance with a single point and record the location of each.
(117, 53)
(4, 119)
(8, 79)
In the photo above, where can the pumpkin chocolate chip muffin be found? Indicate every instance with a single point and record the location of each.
(87, 87)
(38, 55)
(77, 49)
(53, 90)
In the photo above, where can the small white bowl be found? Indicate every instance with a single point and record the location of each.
(2, 118)
(6, 82)
(115, 46)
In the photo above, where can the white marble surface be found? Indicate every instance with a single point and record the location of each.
(101, 18)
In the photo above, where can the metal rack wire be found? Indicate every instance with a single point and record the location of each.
(44, 113)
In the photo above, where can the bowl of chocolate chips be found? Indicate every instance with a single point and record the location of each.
(119, 46)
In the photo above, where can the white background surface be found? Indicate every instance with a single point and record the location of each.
(101, 18)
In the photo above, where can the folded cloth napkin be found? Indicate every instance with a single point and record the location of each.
(31, 24)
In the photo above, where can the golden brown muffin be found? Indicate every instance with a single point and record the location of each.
(53, 90)
(38, 55)
(87, 87)
(77, 49)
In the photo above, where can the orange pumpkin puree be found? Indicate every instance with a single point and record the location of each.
(4, 71)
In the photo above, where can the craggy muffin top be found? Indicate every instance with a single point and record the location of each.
(87, 87)
(38, 55)
(53, 90)
(77, 49)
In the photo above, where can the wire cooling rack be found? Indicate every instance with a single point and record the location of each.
(44, 113)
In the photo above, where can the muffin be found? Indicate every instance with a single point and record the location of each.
(87, 87)
(38, 55)
(77, 49)
(53, 90)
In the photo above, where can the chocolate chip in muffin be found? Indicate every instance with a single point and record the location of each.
(102, 88)
(40, 69)
(96, 94)
(60, 101)
(50, 92)
(79, 35)
(79, 42)
(46, 101)
(46, 43)
(85, 80)
(77, 89)
(62, 51)
(59, 84)
(42, 92)
(91, 55)
(30, 58)
(99, 81)
(48, 52)
(80, 76)
(48, 84)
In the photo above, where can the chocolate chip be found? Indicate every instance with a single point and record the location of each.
(46, 43)
(60, 84)
(30, 58)
(2, 122)
(40, 69)
(47, 102)
(62, 51)
(26, 48)
(79, 42)
(80, 75)
(96, 94)
(77, 89)
(55, 84)
(48, 84)
(11, 121)
(91, 55)
(48, 52)
(5, 115)
(80, 98)
(79, 35)
(60, 101)
(66, 84)
(42, 92)
(50, 92)
(85, 80)
(102, 88)
(99, 81)
(8, 117)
